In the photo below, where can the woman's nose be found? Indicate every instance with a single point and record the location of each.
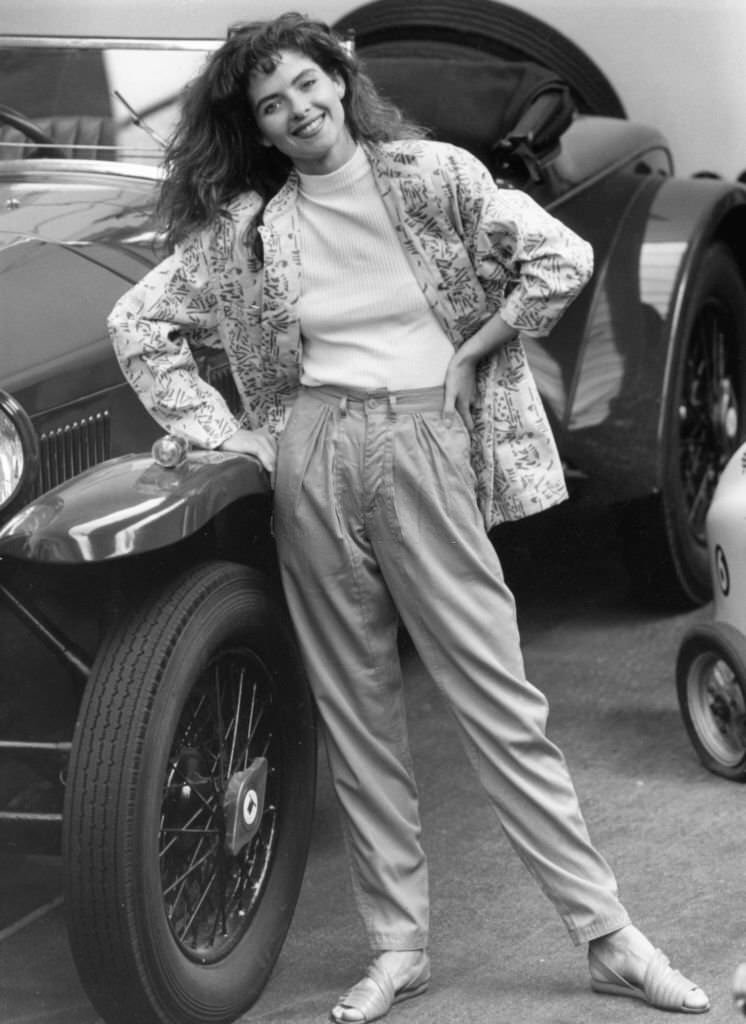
(299, 105)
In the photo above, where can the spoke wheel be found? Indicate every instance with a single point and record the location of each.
(711, 687)
(709, 412)
(189, 803)
(228, 729)
(704, 422)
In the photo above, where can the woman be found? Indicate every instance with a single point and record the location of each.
(369, 288)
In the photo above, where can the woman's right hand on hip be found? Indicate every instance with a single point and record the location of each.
(259, 443)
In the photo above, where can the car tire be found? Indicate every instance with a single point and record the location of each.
(703, 424)
(711, 688)
(486, 26)
(161, 737)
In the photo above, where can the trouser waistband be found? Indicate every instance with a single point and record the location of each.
(412, 400)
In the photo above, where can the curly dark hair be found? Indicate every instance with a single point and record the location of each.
(216, 153)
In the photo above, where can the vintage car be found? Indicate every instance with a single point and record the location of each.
(149, 671)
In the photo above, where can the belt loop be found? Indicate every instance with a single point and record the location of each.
(392, 407)
(343, 405)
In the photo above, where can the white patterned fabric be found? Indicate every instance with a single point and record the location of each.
(475, 250)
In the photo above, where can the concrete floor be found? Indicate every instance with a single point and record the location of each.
(674, 833)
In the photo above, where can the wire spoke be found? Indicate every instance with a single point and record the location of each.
(200, 901)
(191, 868)
(227, 720)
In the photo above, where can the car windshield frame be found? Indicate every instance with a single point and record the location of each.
(136, 84)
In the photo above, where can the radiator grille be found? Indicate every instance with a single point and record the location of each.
(69, 450)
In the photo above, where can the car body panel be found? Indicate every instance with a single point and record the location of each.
(90, 231)
(129, 506)
(612, 414)
(89, 235)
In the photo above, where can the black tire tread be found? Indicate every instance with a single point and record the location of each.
(663, 572)
(111, 731)
(719, 263)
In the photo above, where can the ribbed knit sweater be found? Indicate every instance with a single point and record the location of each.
(364, 321)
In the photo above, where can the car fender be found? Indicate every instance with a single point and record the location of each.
(633, 317)
(130, 505)
(687, 217)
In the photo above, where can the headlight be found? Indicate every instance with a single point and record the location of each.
(18, 452)
(11, 457)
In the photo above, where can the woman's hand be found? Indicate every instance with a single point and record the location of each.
(460, 389)
(461, 375)
(259, 443)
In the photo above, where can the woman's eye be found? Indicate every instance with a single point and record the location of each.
(308, 82)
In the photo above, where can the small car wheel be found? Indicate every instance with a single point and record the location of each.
(711, 687)
(482, 26)
(189, 803)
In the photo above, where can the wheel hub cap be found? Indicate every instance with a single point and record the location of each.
(243, 805)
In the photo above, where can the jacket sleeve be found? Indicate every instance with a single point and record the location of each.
(153, 328)
(530, 264)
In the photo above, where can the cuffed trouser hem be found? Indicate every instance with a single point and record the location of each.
(605, 926)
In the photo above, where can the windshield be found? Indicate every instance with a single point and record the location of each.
(73, 100)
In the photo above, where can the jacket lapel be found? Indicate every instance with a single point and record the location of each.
(281, 278)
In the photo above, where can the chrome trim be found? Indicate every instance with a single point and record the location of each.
(67, 451)
(25, 488)
(49, 634)
(61, 747)
(107, 43)
(42, 166)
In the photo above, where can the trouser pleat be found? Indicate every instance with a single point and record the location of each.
(376, 519)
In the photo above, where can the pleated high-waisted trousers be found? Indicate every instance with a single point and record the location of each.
(375, 518)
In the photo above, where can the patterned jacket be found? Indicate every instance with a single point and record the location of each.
(474, 249)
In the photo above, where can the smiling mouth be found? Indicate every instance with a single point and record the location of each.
(309, 128)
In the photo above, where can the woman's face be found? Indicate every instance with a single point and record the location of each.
(298, 109)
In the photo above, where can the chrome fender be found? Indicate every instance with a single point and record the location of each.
(129, 505)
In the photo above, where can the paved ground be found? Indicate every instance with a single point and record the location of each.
(675, 834)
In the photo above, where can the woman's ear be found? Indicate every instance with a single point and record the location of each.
(339, 84)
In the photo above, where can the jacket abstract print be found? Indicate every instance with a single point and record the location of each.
(475, 249)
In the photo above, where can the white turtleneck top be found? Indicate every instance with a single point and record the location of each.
(364, 321)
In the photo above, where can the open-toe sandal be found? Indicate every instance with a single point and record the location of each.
(373, 997)
(662, 986)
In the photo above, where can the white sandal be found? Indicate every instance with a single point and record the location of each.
(662, 986)
(375, 994)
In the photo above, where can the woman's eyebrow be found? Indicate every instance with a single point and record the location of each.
(275, 95)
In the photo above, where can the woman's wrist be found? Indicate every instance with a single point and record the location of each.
(490, 337)
(466, 357)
